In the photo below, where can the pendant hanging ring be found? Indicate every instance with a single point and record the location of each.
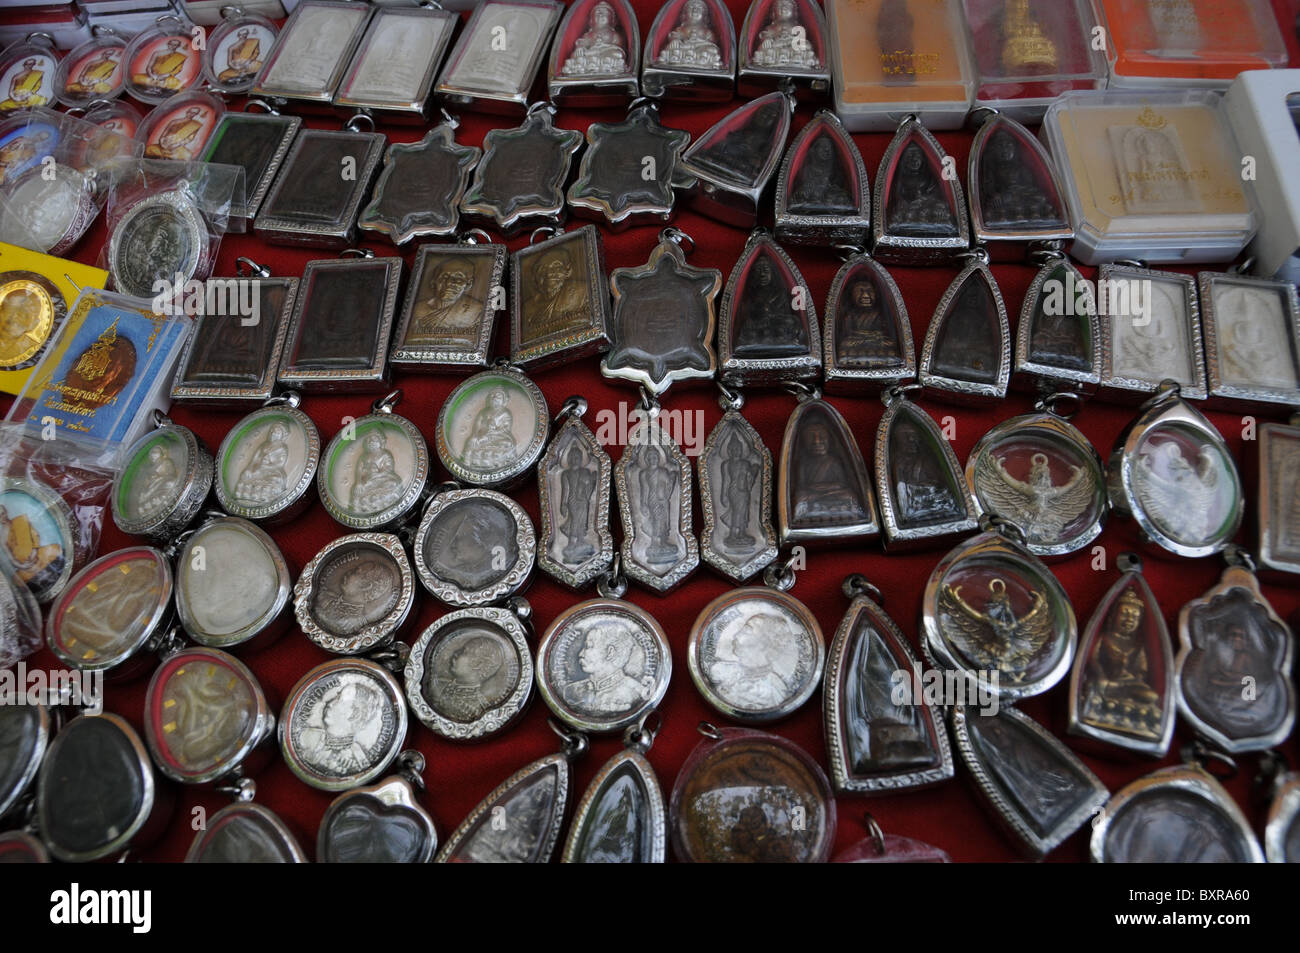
(857, 585)
(877, 835)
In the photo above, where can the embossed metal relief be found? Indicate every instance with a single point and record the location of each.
(735, 472)
(596, 56)
(967, 352)
(823, 492)
(493, 428)
(690, 52)
(822, 192)
(163, 483)
(419, 191)
(474, 547)
(627, 172)
(267, 462)
(866, 333)
(780, 42)
(355, 594)
(450, 312)
(374, 471)
(480, 73)
(561, 300)
(653, 483)
(1151, 332)
(574, 481)
(159, 237)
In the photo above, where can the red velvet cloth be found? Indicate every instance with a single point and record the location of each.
(951, 816)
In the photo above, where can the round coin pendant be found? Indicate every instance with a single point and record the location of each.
(158, 238)
(737, 798)
(343, 724)
(204, 715)
(355, 594)
(470, 674)
(374, 471)
(267, 463)
(31, 309)
(474, 547)
(493, 428)
(603, 664)
(163, 483)
(245, 833)
(756, 654)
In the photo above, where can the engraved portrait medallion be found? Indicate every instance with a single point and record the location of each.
(112, 612)
(1252, 340)
(822, 193)
(967, 352)
(204, 715)
(867, 336)
(474, 547)
(1176, 815)
(653, 482)
(1235, 655)
(603, 664)
(24, 735)
(993, 611)
(355, 594)
(573, 487)
(520, 180)
(343, 724)
(91, 71)
(621, 818)
(561, 300)
(40, 537)
(737, 796)
(312, 52)
(245, 833)
(1040, 791)
(232, 584)
(379, 824)
(419, 190)
(918, 213)
(1122, 684)
(163, 483)
(1277, 498)
(374, 471)
(236, 50)
(1014, 189)
(1151, 331)
(756, 654)
(822, 492)
(661, 329)
(266, 464)
(690, 52)
(492, 428)
(596, 55)
(31, 308)
(451, 307)
(159, 237)
(470, 675)
(533, 802)
(1058, 340)
(735, 473)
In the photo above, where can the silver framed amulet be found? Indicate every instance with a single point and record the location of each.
(419, 190)
(866, 333)
(380, 823)
(966, 356)
(653, 482)
(1282, 830)
(574, 480)
(25, 733)
(474, 547)
(163, 483)
(561, 300)
(918, 213)
(823, 196)
(596, 55)
(158, 238)
(783, 42)
(498, 55)
(756, 654)
(266, 464)
(1251, 328)
(735, 474)
(355, 594)
(245, 832)
(1277, 498)
(1058, 339)
(374, 471)
(621, 818)
(311, 53)
(493, 428)
(469, 676)
(451, 307)
(56, 546)
(690, 52)
(603, 665)
(1150, 332)
(1013, 187)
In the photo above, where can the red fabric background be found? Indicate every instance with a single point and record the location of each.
(951, 816)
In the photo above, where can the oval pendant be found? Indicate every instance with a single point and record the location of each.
(993, 612)
(822, 488)
(161, 61)
(114, 613)
(19, 847)
(374, 472)
(735, 471)
(1122, 685)
(653, 483)
(621, 819)
(470, 675)
(1040, 473)
(747, 796)
(574, 479)
(179, 129)
(822, 193)
(1234, 665)
(355, 594)
(379, 824)
(1177, 815)
(1014, 189)
(492, 429)
(1171, 471)
(967, 352)
(266, 465)
(25, 732)
(236, 49)
(43, 539)
(1040, 791)
(924, 501)
(92, 71)
(20, 616)
(29, 68)
(603, 665)
(867, 337)
(1282, 833)
(1058, 339)
(42, 308)
(474, 547)
(918, 213)
(48, 209)
(204, 715)
(245, 833)
(767, 329)
(163, 483)
(138, 257)
(875, 744)
(756, 654)
(96, 791)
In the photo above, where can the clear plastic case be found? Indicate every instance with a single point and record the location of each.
(1156, 177)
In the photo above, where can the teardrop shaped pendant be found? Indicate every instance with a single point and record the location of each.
(1014, 189)
(1171, 471)
(924, 502)
(867, 336)
(653, 483)
(520, 821)
(1058, 340)
(1176, 815)
(822, 488)
(735, 473)
(967, 352)
(993, 612)
(1040, 473)
(876, 743)
(918, 213)
(573, 486)
(1041, 792)
(1234, 663)
(622, 818)
(767, 328)
(1122, 684)
(823, 196)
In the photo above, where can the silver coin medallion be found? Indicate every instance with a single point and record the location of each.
(735, 473)
(48, 209)
(163, 483)
(603, 665)
(355, 594)
(474, 547)
(493, 428)
(653, 482)
(343, 724)
(470, 675)
(159, 237)
(374, 471)
(756, 654)
(574, 480)
(267, 463)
